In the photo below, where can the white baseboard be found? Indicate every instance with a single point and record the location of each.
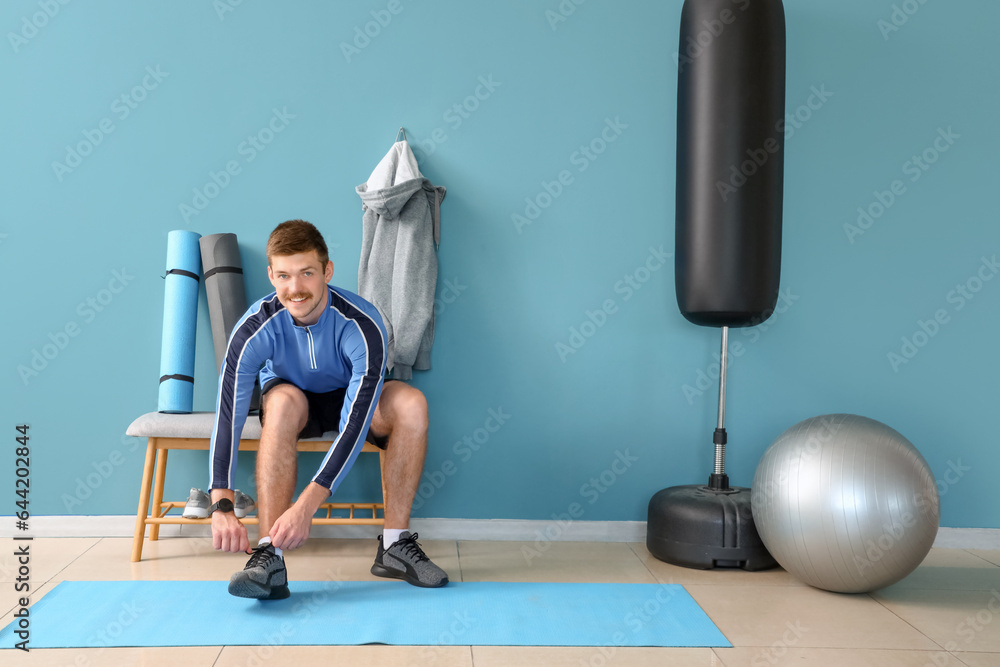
(968, 538)
(441, 529)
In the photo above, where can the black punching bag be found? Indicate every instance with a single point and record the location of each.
(730, 144)
(730, 155)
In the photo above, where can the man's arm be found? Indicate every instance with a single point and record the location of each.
(365, 349)
(244, 357)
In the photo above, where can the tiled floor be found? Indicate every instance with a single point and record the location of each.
(946, 613)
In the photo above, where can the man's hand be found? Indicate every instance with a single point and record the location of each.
(291, 529)
(228, 533)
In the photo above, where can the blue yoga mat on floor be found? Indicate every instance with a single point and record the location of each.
(202, 613)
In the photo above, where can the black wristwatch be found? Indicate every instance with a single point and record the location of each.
(224, 505)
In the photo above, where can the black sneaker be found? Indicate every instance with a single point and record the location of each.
(263, 578)
(407, 561)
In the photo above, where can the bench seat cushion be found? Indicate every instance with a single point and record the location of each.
(196, 425)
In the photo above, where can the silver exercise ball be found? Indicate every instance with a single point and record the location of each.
(845, 503)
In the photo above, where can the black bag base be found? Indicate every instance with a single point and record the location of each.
(701, 528)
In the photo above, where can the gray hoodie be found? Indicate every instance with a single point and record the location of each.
(398, 268)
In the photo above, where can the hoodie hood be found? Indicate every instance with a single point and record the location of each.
(395, 181)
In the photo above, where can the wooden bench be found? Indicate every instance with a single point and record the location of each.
(165, 432)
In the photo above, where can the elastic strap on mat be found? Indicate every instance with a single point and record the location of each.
(222, 269)
(185, 378)
(182, 272)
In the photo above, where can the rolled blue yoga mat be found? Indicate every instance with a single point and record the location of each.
(180, 319)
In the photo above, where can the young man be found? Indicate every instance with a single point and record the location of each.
(320, 353)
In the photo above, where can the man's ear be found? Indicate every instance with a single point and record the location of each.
(270, 275)
(327, 273)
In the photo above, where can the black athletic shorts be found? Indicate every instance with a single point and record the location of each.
(324, 412)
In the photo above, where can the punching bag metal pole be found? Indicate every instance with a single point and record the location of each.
(730, 168)
(723, 355)
(719, 479)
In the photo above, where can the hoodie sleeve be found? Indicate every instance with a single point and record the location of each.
(249, 347)
(363, 345)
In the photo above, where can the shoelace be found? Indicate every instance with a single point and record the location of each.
(262, 556)
(410, 547)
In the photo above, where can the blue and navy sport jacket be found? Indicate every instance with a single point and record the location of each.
(345, 348)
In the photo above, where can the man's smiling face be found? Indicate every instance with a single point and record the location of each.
(300, 281)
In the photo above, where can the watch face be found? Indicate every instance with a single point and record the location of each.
(225, 505)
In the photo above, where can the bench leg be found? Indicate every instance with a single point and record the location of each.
(381, 465)
(143, 511)
(161, 473)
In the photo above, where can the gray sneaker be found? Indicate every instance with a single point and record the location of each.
(197, 505)
(407, 561)
(263, 578)
(243, 504)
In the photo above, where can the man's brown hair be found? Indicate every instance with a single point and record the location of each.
(297, 236)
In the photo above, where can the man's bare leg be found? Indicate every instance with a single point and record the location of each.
(401, 413)
(265, 576)
(287, 411)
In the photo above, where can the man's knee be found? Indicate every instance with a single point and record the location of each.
(284, 405)
(409, 406)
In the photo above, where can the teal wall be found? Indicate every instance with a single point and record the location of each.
(510, 294)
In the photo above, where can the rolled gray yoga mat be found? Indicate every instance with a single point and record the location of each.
(227, 299)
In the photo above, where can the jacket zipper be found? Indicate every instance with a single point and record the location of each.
(312, 350)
